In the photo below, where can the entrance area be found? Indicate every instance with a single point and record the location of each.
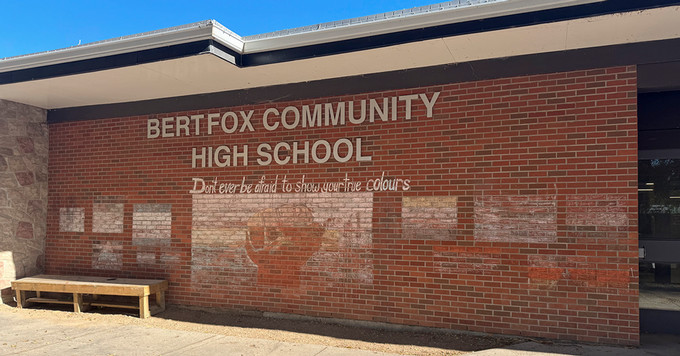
(659, 212)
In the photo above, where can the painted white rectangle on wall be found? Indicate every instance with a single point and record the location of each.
(522, 218)
(597, 210)
(434, 218)
(151, 224)
(71, 219)
(107, 217)
(107, 255)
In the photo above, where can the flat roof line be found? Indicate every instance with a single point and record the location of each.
(394, 21)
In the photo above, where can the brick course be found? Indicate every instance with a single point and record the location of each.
(520, 216)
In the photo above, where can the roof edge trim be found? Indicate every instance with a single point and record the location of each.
(198, 31)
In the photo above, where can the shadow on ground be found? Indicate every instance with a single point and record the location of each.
(444, 339)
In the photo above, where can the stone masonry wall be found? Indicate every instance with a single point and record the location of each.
(23, 191)
(501, 206)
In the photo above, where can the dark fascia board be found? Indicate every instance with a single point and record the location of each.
(579, 59)
(325, 49)
(118, 60)
(462, 28)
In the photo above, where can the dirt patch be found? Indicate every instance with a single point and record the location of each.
(429, 342)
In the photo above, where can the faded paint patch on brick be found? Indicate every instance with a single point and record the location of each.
(243, 236)
(71, 219)
(151, 224)
(107, 217)
(601, 278)
(107, 255)
(433, 218)
(145, 258)
(515, 218)
(463, 261)
(544, 271)
(597, 210)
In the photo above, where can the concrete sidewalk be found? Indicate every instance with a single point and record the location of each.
(23, 335)
(652, 345)
(27, 336)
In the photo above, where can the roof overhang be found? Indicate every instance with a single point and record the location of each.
(206, 57)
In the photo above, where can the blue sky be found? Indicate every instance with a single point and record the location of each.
(33, 26)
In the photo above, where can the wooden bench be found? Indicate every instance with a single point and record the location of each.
(85, 292)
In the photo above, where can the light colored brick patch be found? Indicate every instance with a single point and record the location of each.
(516, 218)
(146, 258)
(433, 218)
(597, 210)
(107, 217)
(151, 224)
(72, 219)
(107, 255)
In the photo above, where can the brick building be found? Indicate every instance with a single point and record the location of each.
(491, 166)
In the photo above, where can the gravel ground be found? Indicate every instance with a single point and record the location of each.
(297, 331)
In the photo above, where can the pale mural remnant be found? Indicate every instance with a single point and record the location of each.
(151, 224)
(433, 218)
(529, 218)
(456, 261)
(250, 239)
(107, 255)
(145, 258)
(597, 210)
(107, 218)
(72, 219)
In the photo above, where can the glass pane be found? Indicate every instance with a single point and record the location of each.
(659, 199)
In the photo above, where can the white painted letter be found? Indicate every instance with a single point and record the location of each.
(152, 130)
(246, 120)
(297, 117)
(276, 153)
(212, 123)
(224, 122)
(407, 99)
(265, 157)
(266, 123)
(375, 108)
(429, 104)
(198, 181)
(351, 113)
(166, 124)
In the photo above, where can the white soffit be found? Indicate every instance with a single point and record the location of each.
(207, 73)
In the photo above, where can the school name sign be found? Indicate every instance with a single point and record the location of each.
(340, 113)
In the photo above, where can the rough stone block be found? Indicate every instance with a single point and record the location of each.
(25, 178)
(25, 145)
(25, 230)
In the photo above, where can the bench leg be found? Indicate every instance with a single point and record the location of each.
(77, 302)
(78, 305)
(144, 307)
(21, 298)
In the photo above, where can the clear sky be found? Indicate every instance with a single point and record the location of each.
(28, 26)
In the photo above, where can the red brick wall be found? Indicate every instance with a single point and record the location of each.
(520, 215)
